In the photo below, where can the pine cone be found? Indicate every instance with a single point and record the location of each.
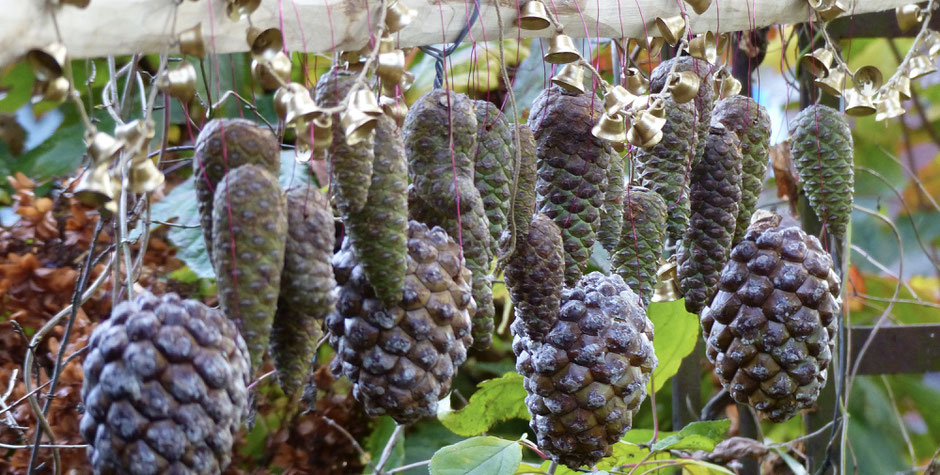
(612, 212)
(703, 100)
(534, 275)
(493, 166)
(350, 165)
(770, 328)
(642, 240)
(821, 148)
(588, 377)
(401, 359)
(306, 286)
(164, 388)
(245, 144)
(524, 203)
(249, 225)
(715, 192)
(572, 170)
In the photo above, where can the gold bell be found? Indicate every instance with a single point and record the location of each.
(857, 104)
(364, 100)
(191, 42)
(818, 62)
(570, 78)
(868, 80)
(398, 16)
(394, 108)
(672, 28)
(47, 62)
(283, 97)
(357, 125)
(75, 3)
(833, 84)
(534, 16)
(143, 176)
(271, 74)
(888, 105)
(94, 188)
(666, 289)
(611, 128)
(636, 83)
(909, 16)
(919, 66)
(266, 44)
(704, 47)
(241, 9)
(647, 129)
(699, 6)
(391, 66)
(136, 133)
(834, 9)
(617, 99)
(322, 132)
(56, 90)
(179, 82)
(730, 86)
(561, 50)
(932, 43)
(903, 86)
(301, 108)
(683, 86)
(652, 45)
(102, 147)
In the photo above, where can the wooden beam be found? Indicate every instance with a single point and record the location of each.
(121, 27)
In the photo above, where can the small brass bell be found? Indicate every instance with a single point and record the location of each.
(322, 132)
(561, 50)
(266, 44)
(56, 90)
(833, 84)
(241, 9)
(391, 66)
(672, 28)
(179, 82)
(635, 82)
(683, 86)
(818, 62)
(920, 66)
(301, 108)
(617, 99)
(398, 16)
(729, 87)
(143, 176)
(903, 86)
(570, 78)
(112, 206)
(667, 290)
(611, 128)
(364, 100)
(357, 125)
(647, 129)
(821, 4)
(857, 104)
(135, 134)
(909, 16)
(652, 45)
(394, 108)
(47, 62)
(835, 9)
(888, 105)
(868, 80)
(94, 188)
(101, 147)
(75, 3)
(932, 43)
(704, 47)
(699, 6)
(270, 75)
(283, 97)
(534, 16)
(191, 43)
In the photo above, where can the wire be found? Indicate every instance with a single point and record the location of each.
(442, 53)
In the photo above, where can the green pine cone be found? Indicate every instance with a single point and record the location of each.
(572, 170)
(249, 274)
(703, 100)
(750, 121)
(524, 202)
(245, 143)
(612, 212)
(535, 275)
(665, 167)
(642, 240)
(379, 232)
(821, 147)
(493, 166)
(715, 192)
(306, 286)
(350, 165)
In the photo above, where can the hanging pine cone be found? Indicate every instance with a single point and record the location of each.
(534, 275)
(164, 388)
(821, 148)
(715, 192)
(750, 121)
(493, 166)
(703, 100)
(524, 202)
(572, 170)
(612, 213)
(642, 240)
(401, 359)
(770, 328)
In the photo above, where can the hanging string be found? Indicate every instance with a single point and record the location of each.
(440, 54)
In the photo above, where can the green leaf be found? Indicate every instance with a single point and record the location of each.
(376, 442)
(477, 456)
(496, 400)
(675, 335)
(179, 205)
(702, 435)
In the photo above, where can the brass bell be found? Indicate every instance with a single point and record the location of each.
(241, 9)
(667, 290)
(821, 4)
(47, 62)
(94, 188)
(652, 45)
(888, 105)
(635, 82)
(322, 132)
(101, 147)
(391, 66)
(398, 16)
(135, 134)
(909, 16)
(647, 129)
(534, 16)
(683, 86)
(617, 99)
(867, 80)
(570, 78)
(729, 87)
(301, 108)
(672, 28)
(704, 47)
(56, 90)
(932, 43)
(394, 108)
(833, 84)
(835, 8)
(857, 104)
(357, 125)
(266, 44)
(271, 74)
(920, 66)
(179, 82)
(364, 100)
(191, 42)
(561, 50)
(75, 3)
(903, 86)
(611, 128)
(143, 176)
(283, 97)
(818, 62)
(699, 6)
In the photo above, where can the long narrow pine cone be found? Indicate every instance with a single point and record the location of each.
(493, 166)
(612, 212)
(750, 121)
(379, 232)
(350, 165)
(642, 240)
(244, 143)
(534, 275)
(703, 101)
(821, 148)
(572, 170)
(401, 358)
(440, 138)
(249, 227)
(523, 206)
(307, 285)
(666, 167)
(715, 192)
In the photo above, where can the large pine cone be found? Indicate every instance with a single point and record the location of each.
(164, 389)
(750, 121)
(642, 240)
(612, 213)
(770, 328)
(401, 358)
(534, 275)
(821, 148)
(587, 378)
(245, 143)
(572, 170)
(703, 100)
(493, 165)
(523, 206)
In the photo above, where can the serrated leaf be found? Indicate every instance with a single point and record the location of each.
(477, 456)
(701, 435)
(675, 334)
(496, 400)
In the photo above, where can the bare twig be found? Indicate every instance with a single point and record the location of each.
(389, 446)
(362, 453)
(408, 467)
